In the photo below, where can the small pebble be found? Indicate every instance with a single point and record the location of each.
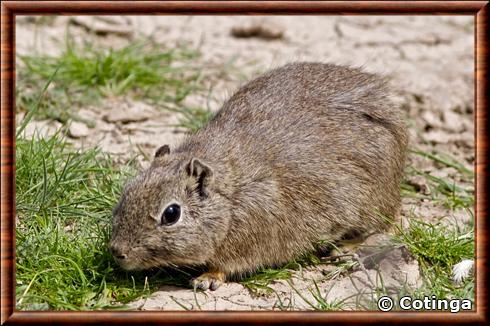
(266, 31)
(78, 130)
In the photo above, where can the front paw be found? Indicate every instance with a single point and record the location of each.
(210, 280)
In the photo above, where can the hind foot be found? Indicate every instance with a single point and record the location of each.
(210, 280)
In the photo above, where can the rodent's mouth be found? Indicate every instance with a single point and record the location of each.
(130, 264)
(131, 258)
(138, 264)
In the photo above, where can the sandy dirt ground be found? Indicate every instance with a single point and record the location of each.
(431, 64)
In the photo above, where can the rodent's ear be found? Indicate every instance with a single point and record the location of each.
(203, 173)
(162, 151)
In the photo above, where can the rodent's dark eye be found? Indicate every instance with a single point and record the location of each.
(171, 214)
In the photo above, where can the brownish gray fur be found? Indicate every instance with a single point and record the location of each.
(305, 152)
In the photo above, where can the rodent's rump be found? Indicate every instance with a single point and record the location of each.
(305, 152)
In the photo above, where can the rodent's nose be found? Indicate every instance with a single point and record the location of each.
(117, 252)
(122, 256)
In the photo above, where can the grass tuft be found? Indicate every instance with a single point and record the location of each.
(141, 70)
(438, 248)
(64, 199)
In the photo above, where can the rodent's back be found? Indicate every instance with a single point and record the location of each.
(309, 149)
(295, 102)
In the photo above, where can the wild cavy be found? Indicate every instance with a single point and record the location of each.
(305, 152)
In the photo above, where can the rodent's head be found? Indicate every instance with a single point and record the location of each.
(169, 215)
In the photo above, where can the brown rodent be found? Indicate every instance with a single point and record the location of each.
(305, 152)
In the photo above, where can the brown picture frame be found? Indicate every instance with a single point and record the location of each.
(11, 9)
